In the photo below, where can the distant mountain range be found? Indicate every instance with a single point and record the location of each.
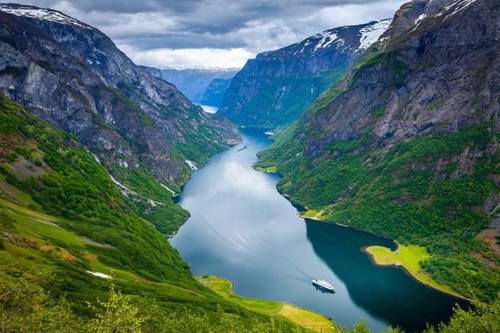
(276, 87)
(195, 82)
(390, 127)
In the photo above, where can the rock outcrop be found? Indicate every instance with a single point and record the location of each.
(73, 75)
(276, 87)
(406, 146)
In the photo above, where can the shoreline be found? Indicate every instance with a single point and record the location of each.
(316, 216)
(303, 317)
(433, 284)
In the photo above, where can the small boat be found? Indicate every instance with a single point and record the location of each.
(323, 285)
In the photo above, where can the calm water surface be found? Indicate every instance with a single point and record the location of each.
(242, 229)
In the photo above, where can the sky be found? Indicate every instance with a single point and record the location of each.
(214, 33)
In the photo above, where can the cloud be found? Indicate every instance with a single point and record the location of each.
(200, 57)
(216, 32)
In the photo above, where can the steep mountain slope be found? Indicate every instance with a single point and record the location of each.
(193, 82)
(73, 76)
(215, 92)
(276, 87)
(67, 235)
(406, 146)
(142, 129)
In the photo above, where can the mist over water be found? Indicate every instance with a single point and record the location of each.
(242, 229)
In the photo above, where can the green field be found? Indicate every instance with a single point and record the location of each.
(88, 258)
(409, 257)
(305, 318)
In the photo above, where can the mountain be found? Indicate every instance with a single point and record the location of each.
(74, 76)
(276, 87)
(141, 128)
(76, 254)
(406, 146)
(214, 94)
(193, 82)
(87, 163)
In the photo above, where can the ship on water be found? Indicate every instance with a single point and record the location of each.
(323, 285)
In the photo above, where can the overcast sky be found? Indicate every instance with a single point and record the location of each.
(214, 33)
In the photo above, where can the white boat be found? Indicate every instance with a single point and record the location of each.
(324, 285)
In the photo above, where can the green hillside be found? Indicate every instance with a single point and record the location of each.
(67, 235)
(406, 147)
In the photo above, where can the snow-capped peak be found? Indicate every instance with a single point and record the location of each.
(435, 8)
(41, 14)
(371, 33)
(327, 38)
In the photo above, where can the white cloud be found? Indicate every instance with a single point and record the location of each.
(214, 33)
(202, 57)
(353, 14)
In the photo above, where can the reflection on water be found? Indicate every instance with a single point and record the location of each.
(242, 229)
(384, 292)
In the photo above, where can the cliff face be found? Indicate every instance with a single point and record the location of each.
(215, 92)
(437, 74)
(73, 75)
(193, 82)
(276, 87)
(406, 146)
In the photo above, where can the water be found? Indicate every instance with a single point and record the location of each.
(242, 229)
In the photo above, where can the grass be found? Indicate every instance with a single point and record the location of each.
(305, 318)
(410, 258)
(313, 214)
(57, 224)
(401, 194)
(269, 169)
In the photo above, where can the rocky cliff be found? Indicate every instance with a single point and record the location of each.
(193, 82)
(72, 75)
(406, 146)
(215, 92)
(276, 87)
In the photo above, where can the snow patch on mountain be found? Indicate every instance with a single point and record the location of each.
(327, 38)
(371, 33)
(41, 14)
(459, 5)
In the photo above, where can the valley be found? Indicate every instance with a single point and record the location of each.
(242, 229)
(196, 167)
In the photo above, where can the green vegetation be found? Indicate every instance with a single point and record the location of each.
(485, 318)
(154, 202)
(77, 256)
(268, 169)
(194, 147)
(274, 106)
(410, 258)
(67, 234)
(300, 316)
(414, 192)
(312, 214)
